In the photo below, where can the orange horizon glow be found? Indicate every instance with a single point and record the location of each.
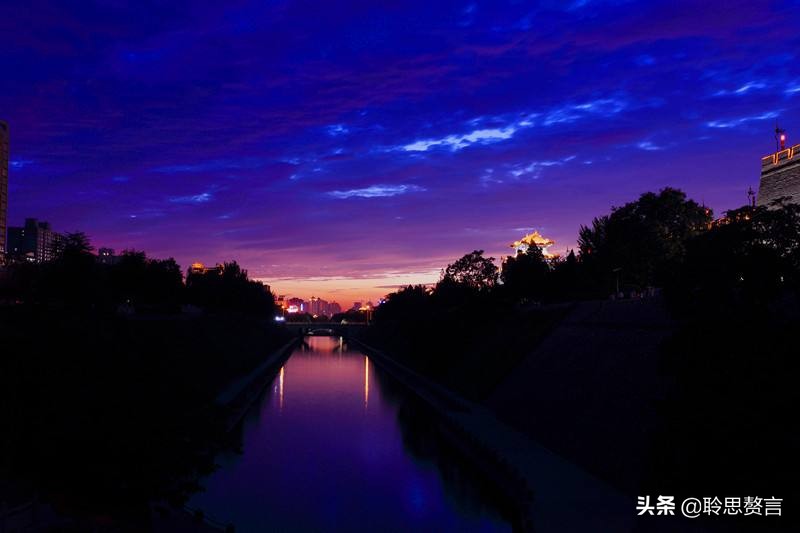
(346, 291)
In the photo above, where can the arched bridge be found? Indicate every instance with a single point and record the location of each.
(334, 329)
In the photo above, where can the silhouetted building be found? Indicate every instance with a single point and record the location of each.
(296, 305)
(35, 241)
(105, 256)
(780, 172)
(4, 154)
(280, 302)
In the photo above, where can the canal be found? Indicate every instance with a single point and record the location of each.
(336, 444)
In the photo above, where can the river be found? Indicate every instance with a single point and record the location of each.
(335, 444)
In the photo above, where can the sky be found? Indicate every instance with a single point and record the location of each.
(343, 149)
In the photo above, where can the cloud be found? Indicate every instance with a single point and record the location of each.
(337, 129)
(534, 169)
(649, 146)
(732, 123)
(20, 163)
(529, 171)
(457, 142)
(645, 60)
(743, 89)
(248, 163)
(571, 113)
(603, 107)
(192, 199)
(376, 191)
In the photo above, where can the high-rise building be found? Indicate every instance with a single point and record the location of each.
(4, 154)
(780, 172)
(35, 241)
(318, 306)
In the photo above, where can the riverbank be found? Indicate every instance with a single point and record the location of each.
(546, 489)
(590, 388)
(238, 396)
(105, 414)
(469, 351)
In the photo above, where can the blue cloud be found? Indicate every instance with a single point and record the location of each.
(734, 122)
(192, 199)
(19, 163)
(376, 191)
(457, 142)
(244, 163)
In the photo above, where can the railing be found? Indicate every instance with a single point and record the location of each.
(15, 515)
(201, 517)
(781, 156)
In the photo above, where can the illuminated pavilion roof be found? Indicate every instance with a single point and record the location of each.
(533, 239)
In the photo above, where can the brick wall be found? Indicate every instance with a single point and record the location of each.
(780, 176)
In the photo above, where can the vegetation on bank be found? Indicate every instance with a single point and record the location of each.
(744, 264)
(79, 280)
(107, 388)
(731, 284)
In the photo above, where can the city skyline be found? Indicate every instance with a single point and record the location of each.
(255, 133)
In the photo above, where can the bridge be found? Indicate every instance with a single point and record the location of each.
(334, 329)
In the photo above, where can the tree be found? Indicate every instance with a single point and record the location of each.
(409, 303)
(642, 240)
(743, 264)
(524, 275)
(472, 271)
(143, 282)
(230, 290)
(74, 245)
(72, 278)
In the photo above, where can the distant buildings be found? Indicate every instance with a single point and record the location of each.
(35, 242)
(780, 172)
(315, 306)
(4, 155)
(295, 305)
(105, 256)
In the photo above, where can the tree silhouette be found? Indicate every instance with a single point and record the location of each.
(643, 239)
(230, 289)
(524, 275)
(743, 264)
(471, 271)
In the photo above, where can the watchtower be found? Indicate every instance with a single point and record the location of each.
(780, 172)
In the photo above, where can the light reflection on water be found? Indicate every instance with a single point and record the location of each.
(335, 444)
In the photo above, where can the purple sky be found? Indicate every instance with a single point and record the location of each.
(341, 148)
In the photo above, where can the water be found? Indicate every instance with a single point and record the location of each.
(336, 445)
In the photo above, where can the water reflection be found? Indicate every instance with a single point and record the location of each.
(336, 445)
(366, 382)
(280, 389)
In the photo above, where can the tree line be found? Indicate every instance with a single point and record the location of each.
(748, 258)
(133, 282)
